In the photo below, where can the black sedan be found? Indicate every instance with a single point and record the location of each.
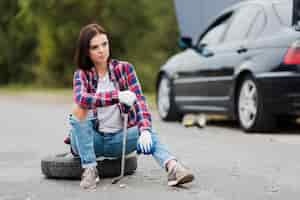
(246, 65)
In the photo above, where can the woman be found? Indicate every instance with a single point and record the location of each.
(102, 88)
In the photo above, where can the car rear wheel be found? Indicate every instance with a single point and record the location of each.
(165, 101)
(251, 113)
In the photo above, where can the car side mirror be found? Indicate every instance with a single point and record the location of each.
(297, 26)
(207, 52)
(185, 42)
(204, 51)
(202, 45)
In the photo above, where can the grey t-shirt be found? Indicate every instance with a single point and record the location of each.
(110, 120)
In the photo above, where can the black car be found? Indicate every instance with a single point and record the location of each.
(246, 65)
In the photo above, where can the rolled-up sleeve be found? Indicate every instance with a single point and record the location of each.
(88, 100)
(144, 120)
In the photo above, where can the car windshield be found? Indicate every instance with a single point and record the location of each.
(284, 12)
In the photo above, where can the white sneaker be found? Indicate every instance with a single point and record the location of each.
(179, 175)
(89, 178)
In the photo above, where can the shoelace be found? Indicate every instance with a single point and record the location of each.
(88, 171)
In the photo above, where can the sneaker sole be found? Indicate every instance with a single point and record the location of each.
(91, 188)
(182, 180)
(97, 180)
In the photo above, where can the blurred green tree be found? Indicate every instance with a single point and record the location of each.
(17, 45)
(40, 37)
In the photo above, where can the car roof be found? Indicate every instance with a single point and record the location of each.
(206, 13)
(261, 2)
(247, 2)
(236, 6)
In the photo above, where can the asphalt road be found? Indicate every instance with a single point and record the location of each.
(227, 163)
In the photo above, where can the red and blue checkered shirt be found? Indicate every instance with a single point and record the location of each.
(124, 77)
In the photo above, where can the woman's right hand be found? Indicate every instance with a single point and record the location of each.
(79, 113)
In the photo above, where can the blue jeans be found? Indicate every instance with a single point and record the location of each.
(89, 143)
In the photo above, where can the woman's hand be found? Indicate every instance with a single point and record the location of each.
(79, 112)
(127, 97)
(145, 144)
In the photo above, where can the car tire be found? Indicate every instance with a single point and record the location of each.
(251, 113)
(167, 108)
(66, 166)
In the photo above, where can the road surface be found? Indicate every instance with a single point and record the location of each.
(228, 164)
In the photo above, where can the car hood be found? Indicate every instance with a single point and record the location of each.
(174, 62)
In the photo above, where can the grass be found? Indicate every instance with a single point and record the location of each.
(34, 91)
(30, 90)
(151, 100)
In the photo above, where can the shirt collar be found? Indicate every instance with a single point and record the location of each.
(111, 66)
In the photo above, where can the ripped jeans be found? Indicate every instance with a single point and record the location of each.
(88, 143)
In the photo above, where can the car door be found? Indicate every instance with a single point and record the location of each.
(210, 77)
(233, 50)
(189, 93)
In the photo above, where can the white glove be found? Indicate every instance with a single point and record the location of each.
(127, 97)
(145, 142)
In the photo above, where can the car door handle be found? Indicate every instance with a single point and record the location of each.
(242, 50)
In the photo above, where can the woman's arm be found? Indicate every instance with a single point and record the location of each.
(87, 100)
(143, 114)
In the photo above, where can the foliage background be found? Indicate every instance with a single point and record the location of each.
(38, 38)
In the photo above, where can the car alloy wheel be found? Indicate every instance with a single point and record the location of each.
(248, 104)
(167, 108)
(163, 100)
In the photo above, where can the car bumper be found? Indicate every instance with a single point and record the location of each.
(280, 92)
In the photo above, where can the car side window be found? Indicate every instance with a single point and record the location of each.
(241, 23)
(258, 25)
(214, 33)
(284, 12)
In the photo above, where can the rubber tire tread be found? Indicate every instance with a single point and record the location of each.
(174, 113)
(65, 166)
(264, 122)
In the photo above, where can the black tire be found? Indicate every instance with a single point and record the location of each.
(66, 166)
(263, 121)
(172, 112)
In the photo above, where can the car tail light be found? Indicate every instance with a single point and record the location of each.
(292, 56)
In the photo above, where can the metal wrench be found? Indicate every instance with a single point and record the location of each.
(117, 179)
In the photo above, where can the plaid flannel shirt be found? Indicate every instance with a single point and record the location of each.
(124, 77)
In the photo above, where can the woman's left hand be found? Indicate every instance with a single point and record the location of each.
(145, 142)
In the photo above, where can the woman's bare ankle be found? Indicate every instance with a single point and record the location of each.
(171, 164)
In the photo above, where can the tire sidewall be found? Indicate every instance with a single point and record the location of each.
(68, 167)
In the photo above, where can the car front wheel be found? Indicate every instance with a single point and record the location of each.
(165, 101)
(251, 113)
